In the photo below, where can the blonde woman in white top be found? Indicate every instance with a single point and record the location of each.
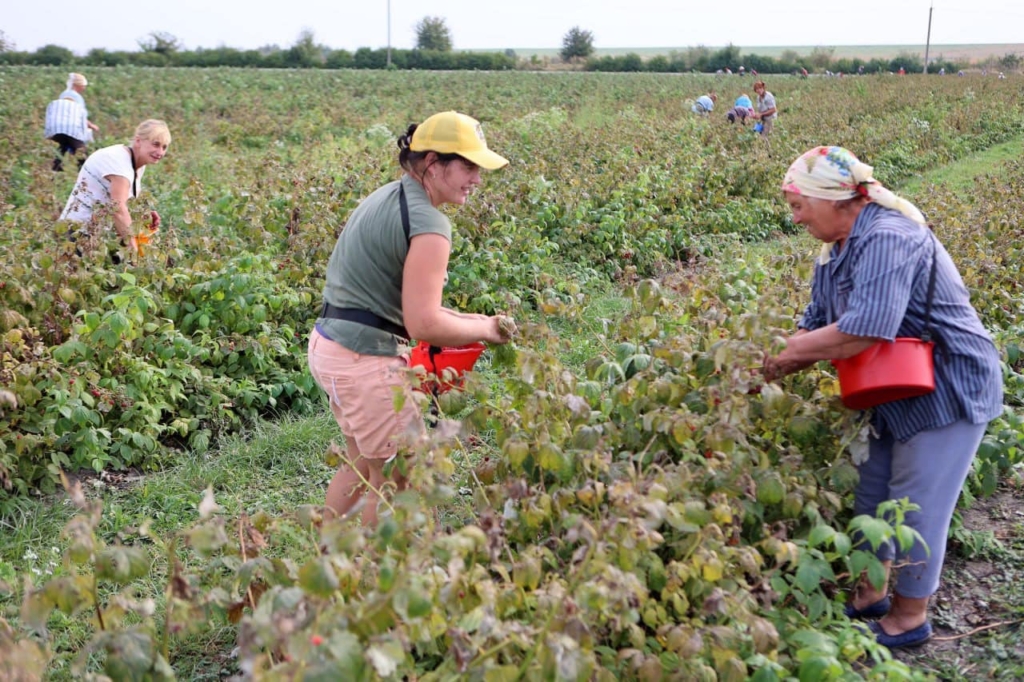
(113, 175)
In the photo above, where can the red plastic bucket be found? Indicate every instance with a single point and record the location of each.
(885, 372)
(448, 364)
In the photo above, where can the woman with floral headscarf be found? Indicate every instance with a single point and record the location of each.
(871, 285)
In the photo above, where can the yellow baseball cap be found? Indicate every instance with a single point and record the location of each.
(453, 133)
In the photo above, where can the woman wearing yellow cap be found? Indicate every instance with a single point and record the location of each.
(383, 287)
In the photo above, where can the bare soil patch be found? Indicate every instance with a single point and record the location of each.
(978, 613)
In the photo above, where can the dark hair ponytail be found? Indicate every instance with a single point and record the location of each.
(403, 147)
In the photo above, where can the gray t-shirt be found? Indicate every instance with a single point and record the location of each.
(365, 270)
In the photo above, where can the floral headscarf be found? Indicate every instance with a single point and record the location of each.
(835, 174)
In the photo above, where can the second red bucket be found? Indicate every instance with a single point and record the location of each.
(886, 372)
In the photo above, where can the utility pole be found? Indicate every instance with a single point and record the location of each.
(928, 40)
(389, 34)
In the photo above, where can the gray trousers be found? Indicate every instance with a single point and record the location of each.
(930, 470)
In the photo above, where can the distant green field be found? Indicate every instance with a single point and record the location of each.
(971, 52)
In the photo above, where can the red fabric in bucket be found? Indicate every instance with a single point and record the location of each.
(449, 365)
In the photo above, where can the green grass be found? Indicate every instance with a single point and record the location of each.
(963, 174)
(275, 468)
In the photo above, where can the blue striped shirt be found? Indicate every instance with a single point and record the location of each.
(74, 96)
(877, 286)
(67, 117)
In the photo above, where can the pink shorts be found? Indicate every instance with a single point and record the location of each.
(362, 390)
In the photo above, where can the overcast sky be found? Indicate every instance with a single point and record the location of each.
(477, 24)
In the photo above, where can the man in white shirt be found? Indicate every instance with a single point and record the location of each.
(67, 122)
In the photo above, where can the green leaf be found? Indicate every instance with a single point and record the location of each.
(347, 651)
(471, 621)
(118, 323)
(502, 673)
(808, 576)
(70, 594)
(318, 577)
(516, 451)
(411, 602)
(818, 668)
(387, 531)
(208, 537)
(35, 610)
(65, 352)
(386, 576)
(130, 656)
(326, 671)
(675, 517)
(814, 640)
(876, 574)
(876, 531)
(820, 535)
(765, 674)
(771, 489)
(121, 564)
(386, 657)
(552, 458)
(907, 537)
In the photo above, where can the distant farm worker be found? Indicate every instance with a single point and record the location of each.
(384, 285)
(871, 284)
(67, 122)
(109, 178)
(705, 104)
(766, 109)
(741, 110)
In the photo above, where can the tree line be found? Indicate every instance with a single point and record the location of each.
(434, 51)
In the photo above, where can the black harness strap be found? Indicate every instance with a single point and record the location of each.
(366, 317)
(403, 207)
(926, 333)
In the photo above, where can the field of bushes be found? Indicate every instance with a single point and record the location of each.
(624, 499)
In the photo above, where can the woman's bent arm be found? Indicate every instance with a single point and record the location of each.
(422, 283)
(119, 191)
